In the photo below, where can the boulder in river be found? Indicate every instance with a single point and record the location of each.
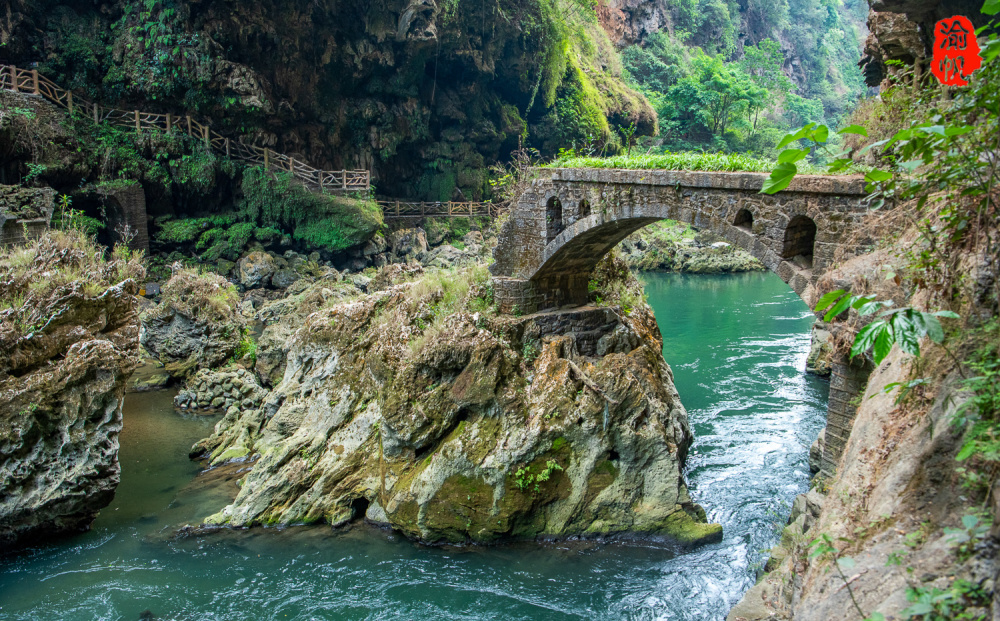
(419, 408)
(196, 325)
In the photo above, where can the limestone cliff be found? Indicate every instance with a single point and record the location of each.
(68, 342)
(425, 94)
(419, 408)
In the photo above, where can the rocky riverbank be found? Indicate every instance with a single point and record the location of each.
(670, 246)
(68, 342)
(419, 408)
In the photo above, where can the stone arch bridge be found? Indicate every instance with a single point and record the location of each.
(569, 218)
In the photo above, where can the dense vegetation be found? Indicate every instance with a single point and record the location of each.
(427, 98)
(711, 92)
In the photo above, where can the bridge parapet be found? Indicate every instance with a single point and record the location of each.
(569, 218)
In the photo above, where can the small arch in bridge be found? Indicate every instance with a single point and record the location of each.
(800, 238)
(743, 219)
(553, 219)
(584, 208)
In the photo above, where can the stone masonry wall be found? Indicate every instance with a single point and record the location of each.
(24, 213)
(620, 202)
(546, 252)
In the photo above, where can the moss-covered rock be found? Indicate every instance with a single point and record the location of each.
(669, 246)
(68, 342)
(421, 409)
(196, 325)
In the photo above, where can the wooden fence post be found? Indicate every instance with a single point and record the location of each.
(266, 163)
(227, 147)
(170, 122)
(69, 102)
(34, 81)
(204, 135)
(291, 165)
(189, 125)
(344, 186)
(397, 209)
(137, 126)
(13, 78)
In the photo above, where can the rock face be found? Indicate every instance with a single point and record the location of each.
(196, 325)
(469, 426)
(65, 354)
(820, 361)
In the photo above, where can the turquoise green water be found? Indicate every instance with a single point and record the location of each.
(737, 345)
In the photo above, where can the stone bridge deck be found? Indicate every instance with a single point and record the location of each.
(571, 217)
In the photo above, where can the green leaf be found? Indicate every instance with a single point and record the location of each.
(968, 450)
(872, 145)
(828, 299)
(821, 133)
(846, 562)
(876, 616)
(789, 156)
(990, 7)
(969, 521)
(876, 175)
(839, 307)
(959, 130)
(883, 343)
(839, 165)
(907, 332)
(946, 314)
(857, 129)
(911, 165)
(933, 129)
(932, 327)
(798, 135)
(865, 338)
(779, 179)
(920, 608)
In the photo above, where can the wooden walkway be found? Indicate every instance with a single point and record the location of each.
(448, 209)
(28, 81)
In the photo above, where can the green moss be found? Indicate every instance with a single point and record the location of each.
(558, 443)
(686, 530)
(236, 452)
(316, 219)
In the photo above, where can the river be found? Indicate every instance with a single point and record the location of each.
(737, 345)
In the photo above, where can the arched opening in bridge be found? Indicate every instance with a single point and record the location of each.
(800, 237)
(553, 219)
(744, 219)
(584, 208)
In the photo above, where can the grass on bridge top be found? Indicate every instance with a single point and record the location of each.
(691, 160)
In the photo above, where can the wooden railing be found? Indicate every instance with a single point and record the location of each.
(28, 81)
(449, 209)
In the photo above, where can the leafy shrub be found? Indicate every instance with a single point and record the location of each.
(316, 219)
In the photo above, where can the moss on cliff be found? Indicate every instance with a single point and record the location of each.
(426, 95)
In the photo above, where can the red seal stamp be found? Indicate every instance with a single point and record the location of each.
(956, 53)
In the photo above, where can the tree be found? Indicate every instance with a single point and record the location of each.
(725, 90)
(763, 63)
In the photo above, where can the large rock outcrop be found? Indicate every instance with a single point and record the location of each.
(197, 324)
(418, 408)
(68, 343)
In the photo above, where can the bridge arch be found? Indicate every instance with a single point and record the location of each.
(546, 253)
(744, 219)
(800, 239)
